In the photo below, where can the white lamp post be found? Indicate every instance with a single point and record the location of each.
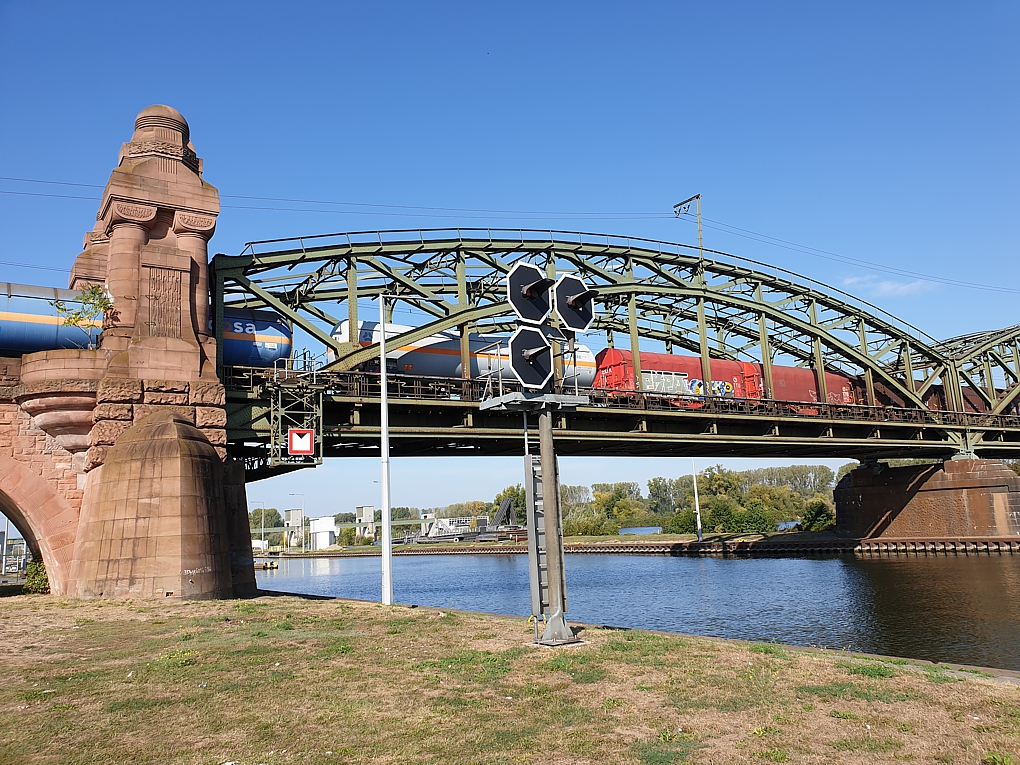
(384, 453)
(384, 459)
(697, 504)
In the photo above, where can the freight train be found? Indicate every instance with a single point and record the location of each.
(255, 338)
(439, 354)
(29, 322)
(681, 376)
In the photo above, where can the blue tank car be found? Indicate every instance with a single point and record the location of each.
(29, 321)
(255, 338)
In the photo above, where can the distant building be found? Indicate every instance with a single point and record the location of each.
(293, 520)
(322, 532)
(365, 515)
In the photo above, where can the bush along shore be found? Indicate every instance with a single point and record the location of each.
(289, 680)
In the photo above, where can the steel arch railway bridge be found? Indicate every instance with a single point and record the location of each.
(124, 464)
(915, 396)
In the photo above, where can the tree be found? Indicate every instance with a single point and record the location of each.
(684, 522)
(756, 519)
(574, 498)
(846, 470)
(585, 521)
(518, 497)
(628, 489)
(348, 537)
(345, 517)
(92, 304)
(721, 482)
(807, 480)
(273, 521)
(818, 516)
(663, 496)
(778, 503)
(37, 581)
(462, 509)
(724, 515)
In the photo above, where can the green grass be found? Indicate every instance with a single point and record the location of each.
(867, 744)
(769, 649)
(581, 667)
(850, 690)
(663, 753)
(866, 669)
(213, 682)
(773, 755)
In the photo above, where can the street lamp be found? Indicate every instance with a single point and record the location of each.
(697, 504)
(384, 453)
(384, 460)
(302, 524)
(264, 547)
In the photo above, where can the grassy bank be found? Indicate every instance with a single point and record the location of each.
(286, 680)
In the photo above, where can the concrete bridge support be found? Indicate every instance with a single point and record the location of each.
(113, 460)
(959, 498)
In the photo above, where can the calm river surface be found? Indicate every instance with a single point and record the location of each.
(952, 609)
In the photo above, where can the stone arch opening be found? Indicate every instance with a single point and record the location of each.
(48, 523)
(19, 524)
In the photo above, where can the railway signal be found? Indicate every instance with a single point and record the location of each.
(574, 302)
(527, 290)
(531, 357)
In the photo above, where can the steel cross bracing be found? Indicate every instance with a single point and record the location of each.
(674, 296)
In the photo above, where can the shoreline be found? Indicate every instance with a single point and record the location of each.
(998, 673)
(738, 546)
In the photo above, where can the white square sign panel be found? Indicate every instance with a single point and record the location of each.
(300, 442)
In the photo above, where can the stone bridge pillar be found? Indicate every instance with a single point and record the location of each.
(170, 524)
(958, 498)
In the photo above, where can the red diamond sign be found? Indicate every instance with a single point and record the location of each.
(300, 442)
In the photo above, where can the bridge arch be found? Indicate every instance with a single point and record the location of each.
(704, 301)
(48, 523)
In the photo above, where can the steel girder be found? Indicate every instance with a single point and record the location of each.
(989, 364)
(706, 302)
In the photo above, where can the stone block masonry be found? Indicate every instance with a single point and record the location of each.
(959, 498)
(121, 403)
(113, 460)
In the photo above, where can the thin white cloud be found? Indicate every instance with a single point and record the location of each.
(888, 287)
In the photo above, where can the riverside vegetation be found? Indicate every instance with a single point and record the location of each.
(279, 680)
(732, 502)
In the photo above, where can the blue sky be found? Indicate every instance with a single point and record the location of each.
(884, 132)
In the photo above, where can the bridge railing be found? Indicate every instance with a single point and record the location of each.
(356, 384)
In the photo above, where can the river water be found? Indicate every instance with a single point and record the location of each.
(953, 609)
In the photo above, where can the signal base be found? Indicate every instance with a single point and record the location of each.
(524, 401)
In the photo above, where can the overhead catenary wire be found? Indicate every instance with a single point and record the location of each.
(376, 209)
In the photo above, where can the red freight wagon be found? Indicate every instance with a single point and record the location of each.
(681, 375)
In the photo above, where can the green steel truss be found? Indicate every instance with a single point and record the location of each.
(652, 295)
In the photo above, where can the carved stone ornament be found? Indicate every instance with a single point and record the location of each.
(163, 149)
(125, 212)
(185, 222)
(95, 237)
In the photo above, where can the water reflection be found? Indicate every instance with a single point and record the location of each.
(952, 609)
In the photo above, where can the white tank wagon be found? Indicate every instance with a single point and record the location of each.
(439, 355)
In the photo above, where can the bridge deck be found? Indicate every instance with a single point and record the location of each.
(435, 416)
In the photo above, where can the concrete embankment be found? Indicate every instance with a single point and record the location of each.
(738, 547)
